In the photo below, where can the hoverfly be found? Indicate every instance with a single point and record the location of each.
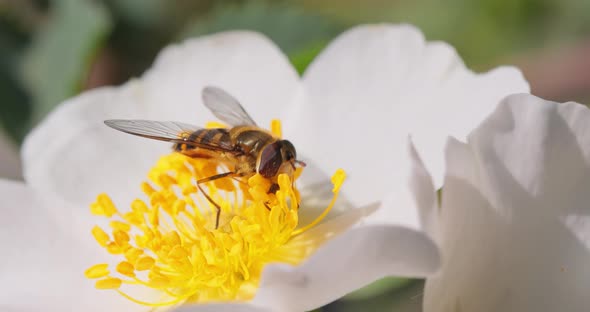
(245, 148)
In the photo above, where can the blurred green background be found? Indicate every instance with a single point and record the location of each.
(52, 50)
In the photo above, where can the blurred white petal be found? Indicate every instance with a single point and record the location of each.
(376, 84)
(413, 203)
(515, 217)
(346, 263)
(247, 65)
(45, 250)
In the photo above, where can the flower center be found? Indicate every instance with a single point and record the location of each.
(170, 243)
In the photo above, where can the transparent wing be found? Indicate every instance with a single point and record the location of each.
(226, 107)
(169, 131)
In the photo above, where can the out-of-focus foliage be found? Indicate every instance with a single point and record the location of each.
(47, 46)
(164, 15)
(14, 108)
(484, 32)
(143, 27)
(298, 33)
(303, 58)
(381, 286)
(60, 55)
(406, 299)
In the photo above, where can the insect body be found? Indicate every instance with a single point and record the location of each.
(245, 148)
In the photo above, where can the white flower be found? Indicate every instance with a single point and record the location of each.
(353, 109)
(514, 226)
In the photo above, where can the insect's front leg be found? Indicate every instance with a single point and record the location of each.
(209, 179)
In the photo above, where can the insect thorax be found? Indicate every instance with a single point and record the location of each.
(251, 140)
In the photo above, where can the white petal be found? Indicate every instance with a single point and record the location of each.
(44, 256)
(373, 86)
(245, 64)
(73, 154)
(347, 262)
(412, 204)
(514, 222)
(315, 187)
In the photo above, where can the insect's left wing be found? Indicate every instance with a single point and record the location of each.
(169, 131)
(226, 107)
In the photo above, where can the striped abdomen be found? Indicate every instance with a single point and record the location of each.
(208, 143)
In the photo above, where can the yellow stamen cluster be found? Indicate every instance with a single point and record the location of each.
(169, 242)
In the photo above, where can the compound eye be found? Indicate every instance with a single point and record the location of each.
(270, 160)
(289, 149)
(290, 156)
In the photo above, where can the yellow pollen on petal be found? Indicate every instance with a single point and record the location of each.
(100, 236)
(97, 271)
(214, 124)
(144, 263)
(103, 206)
(276, 128)
(121, 226)
(167, 240)
(108, 283)
(126, 269)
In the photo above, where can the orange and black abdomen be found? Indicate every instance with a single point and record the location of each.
(207, 142)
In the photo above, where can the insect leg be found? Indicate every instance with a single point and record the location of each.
(215, 177)
(272, 190)
(239, 180)
(209, 179)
